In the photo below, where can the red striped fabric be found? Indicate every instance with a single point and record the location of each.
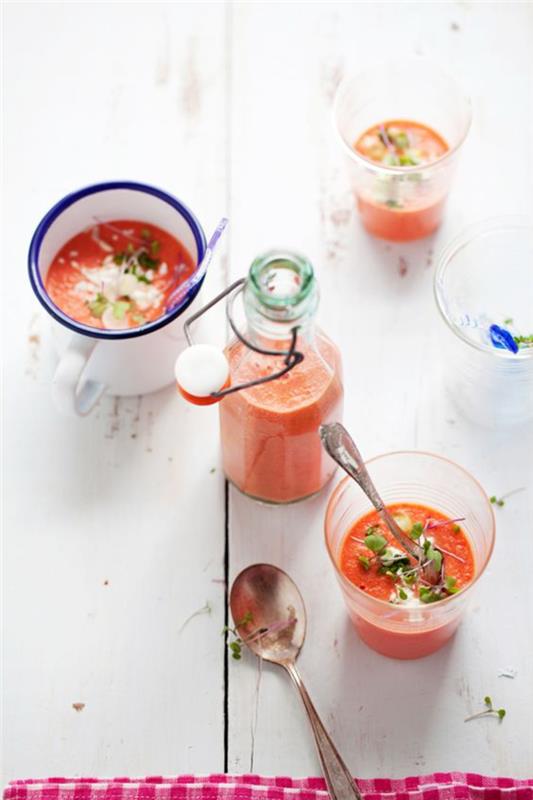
(438, 786)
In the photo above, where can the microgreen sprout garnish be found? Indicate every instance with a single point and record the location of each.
(400, 139)
(133, 269)
(365, 562)
(500, 501)
(416, 531)
(432, 554)
(409, 573)
(489, 711)
(525, 341)
(398, 151)
(508, 321)
(235, 644)
(375, 542)
(450, 584)
(429, 595)
(384, 136)
(146, 262)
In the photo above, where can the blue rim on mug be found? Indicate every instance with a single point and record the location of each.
(68, 200)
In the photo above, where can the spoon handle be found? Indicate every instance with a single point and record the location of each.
(341, 785)
(342, 449)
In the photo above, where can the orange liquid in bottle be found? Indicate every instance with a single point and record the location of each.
(270, 443)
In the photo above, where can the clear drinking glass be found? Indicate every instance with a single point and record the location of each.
(483, 278)
(425, 479)
(401, 203)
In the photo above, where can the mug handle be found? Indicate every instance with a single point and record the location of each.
(74, 395)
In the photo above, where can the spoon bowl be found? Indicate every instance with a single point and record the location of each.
(269, 613)
(269, 616)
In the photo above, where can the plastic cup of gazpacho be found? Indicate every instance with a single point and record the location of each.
(393, 608)
(401, 125)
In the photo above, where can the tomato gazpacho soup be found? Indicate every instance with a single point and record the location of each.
(401, 207)
(117, 274)
(372, 559)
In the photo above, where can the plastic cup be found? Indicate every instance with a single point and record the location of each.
(483, 277)
(401, 203)
(426, 479)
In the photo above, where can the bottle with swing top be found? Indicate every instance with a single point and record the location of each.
(282, 380)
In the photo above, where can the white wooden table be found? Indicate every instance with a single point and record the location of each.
(120, 526)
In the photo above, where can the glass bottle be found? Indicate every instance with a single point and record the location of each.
(271, 448)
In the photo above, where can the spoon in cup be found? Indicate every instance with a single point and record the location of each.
(340, 446)
(177, 295)
(269, 616)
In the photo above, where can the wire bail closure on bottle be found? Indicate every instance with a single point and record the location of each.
(292, 356)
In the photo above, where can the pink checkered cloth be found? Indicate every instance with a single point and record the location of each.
(438, 786)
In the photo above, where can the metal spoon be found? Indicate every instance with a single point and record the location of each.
(340, 446)
(269, 616)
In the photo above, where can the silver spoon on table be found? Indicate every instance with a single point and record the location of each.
(269, 616)
(340, 446)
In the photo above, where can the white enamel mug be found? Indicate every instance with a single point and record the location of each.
(120, 362)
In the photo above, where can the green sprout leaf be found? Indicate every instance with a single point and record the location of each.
(375, 542)
(400, 139)
(235, 645)
(489, 711)
(408, 160)
(416, 531)
(525, 340)
(146, 262)
(428, 595)
(365, 562)
(434, 555)
(403, 594)
(497, 501)
(450, 584)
